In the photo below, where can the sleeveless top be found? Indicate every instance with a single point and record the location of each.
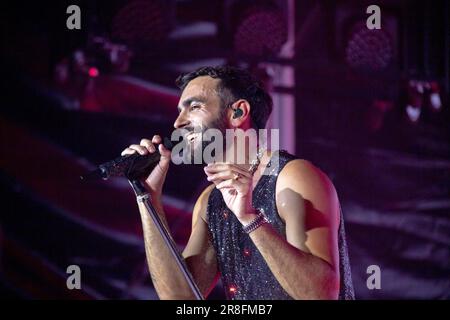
(244, 273)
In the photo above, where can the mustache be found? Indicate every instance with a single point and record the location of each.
(195, 129)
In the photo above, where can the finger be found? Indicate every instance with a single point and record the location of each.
(128, 151)
(156, 139)
(230, 183)
(228, 174)
(140, 149)
(240, 165)
(239, 183)
(165, 153)
(238, 168)
(214, 168)
(148, 144)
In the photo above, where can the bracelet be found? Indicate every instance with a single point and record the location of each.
(256, 223)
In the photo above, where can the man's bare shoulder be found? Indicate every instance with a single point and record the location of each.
(303, 177)
(201, 204)
(303, 172)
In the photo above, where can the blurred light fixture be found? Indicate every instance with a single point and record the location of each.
(435, 97)
(93, 72)
(368, 50)
(415, 100)
(260, 32)
(142, 21)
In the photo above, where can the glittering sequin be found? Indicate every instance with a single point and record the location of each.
(243, 270)
(225, 214)
(232, 289)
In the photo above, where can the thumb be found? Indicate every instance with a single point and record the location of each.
(165, 153)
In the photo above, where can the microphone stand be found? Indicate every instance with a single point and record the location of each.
(143, 196)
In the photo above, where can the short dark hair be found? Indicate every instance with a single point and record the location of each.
(235, 84)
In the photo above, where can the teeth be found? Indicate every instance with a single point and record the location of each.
(190, 137)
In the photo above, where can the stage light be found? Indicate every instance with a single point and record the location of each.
(413, 113)
(142, 21)
(260, 33)
(93, 72)
(415, 100)
(368, 50)
(435, 98)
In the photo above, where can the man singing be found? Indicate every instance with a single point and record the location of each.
(269, 231)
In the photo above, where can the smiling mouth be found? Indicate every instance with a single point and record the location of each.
(190, 137)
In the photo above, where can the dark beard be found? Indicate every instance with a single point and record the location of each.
(219, 124)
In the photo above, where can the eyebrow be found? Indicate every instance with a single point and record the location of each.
(187, 102)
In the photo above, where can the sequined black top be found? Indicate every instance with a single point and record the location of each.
(244, 272)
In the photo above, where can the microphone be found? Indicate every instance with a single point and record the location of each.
(132, 166)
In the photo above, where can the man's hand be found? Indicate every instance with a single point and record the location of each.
(236, 186)
(156, 178)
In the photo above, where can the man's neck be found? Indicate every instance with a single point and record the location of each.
(239, 155)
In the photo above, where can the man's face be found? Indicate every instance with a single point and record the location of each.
(200, 108)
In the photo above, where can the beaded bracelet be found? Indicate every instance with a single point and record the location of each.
(255, 224)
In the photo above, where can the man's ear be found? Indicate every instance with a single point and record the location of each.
(239, 113)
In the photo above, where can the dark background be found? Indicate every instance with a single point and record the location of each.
(72, 99)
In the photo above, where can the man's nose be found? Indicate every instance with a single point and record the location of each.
(181, 120)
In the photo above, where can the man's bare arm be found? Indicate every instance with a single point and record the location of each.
(306, 264)
(167, 278)
(199, 252)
